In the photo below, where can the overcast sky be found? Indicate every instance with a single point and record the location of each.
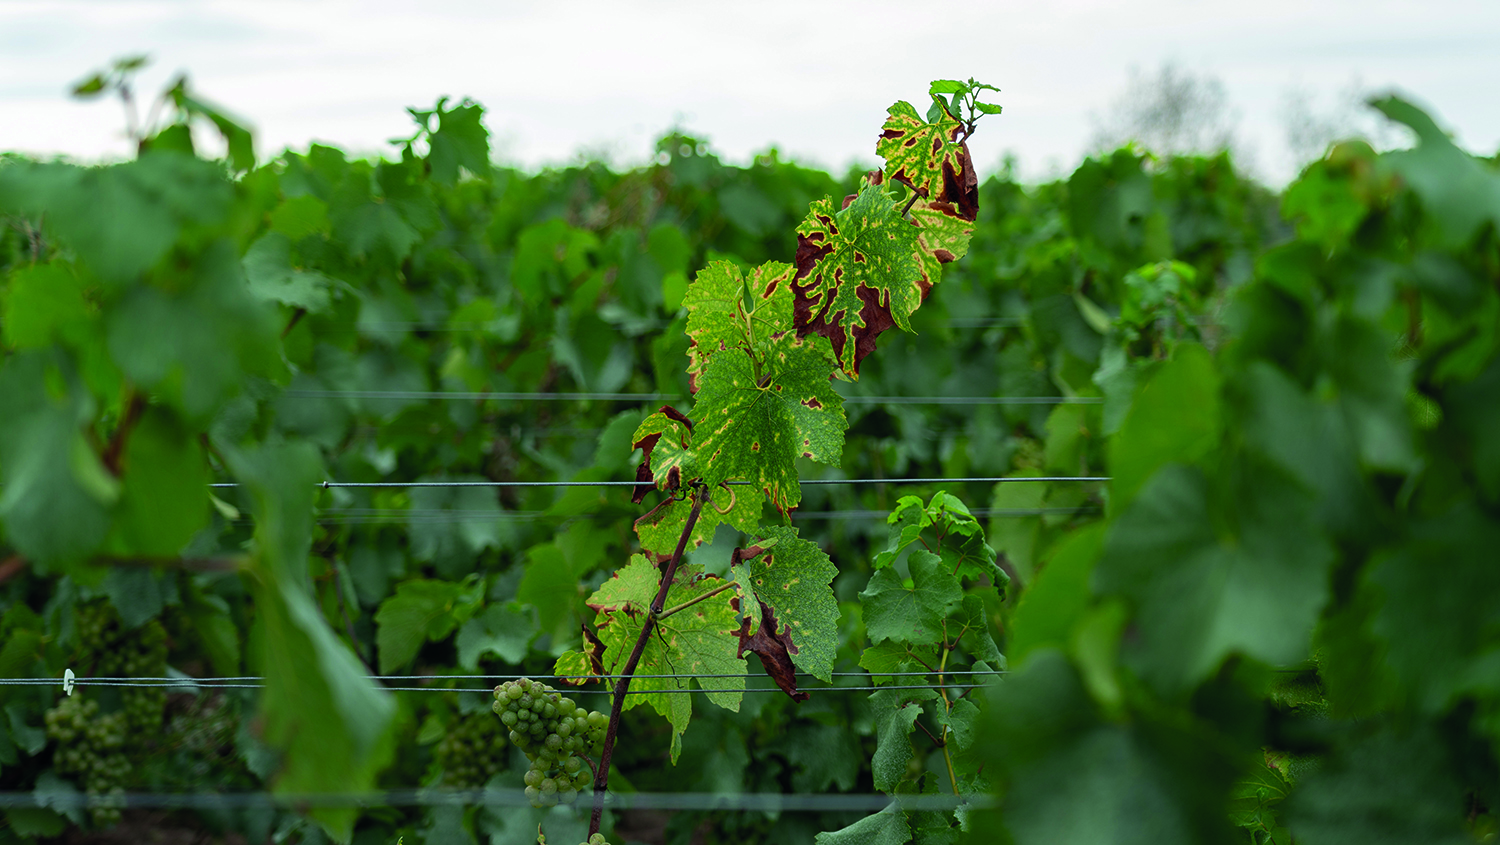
(812, 78)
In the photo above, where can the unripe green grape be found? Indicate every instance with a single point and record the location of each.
(514, 693)
(508, 719)
(572, 765)
(534, 795)
(567, 795)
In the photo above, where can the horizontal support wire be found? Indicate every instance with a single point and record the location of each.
(425, 516)
(192, 681)
(439, 323)
(747, 801)
(467, 395)
(964, 480)
(204, 685)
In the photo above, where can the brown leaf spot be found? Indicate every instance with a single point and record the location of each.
(774, 649)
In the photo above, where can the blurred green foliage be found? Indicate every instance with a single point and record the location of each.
(1278, 616)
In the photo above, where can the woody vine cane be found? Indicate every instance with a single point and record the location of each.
(764, 348)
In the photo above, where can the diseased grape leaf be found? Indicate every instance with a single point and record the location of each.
(928, 158)
(754, 428)
(792, 577)
(659, 529)
(911, 614)
(943, 237)
(698, 640)
(718, 317)
(857, 274)
(918, 153)
(665, 439)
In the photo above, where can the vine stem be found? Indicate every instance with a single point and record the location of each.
(727, 585)
(601, 777)
(948, 705)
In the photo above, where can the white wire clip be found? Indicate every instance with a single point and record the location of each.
(68, 677)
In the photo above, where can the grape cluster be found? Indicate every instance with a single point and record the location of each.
(91, 747)
(96, 748)
(472, 751)
(555, 734)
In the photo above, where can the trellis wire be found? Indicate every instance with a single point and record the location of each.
(188, 680)
(437, 323)
(964, 480)
(512, 396)
(424, 516)
(747, 801)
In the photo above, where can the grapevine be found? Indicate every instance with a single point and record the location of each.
(1276, 605)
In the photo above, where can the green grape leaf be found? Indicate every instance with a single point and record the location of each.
(460, 141)
(164, 493)
(857, 274)
(754, 429)
(821, 756)
(300, 216)
(887, 827)
(698, 640)
(1459, 191)
(718, 317)
(319, 708)
(896, 713)
(1437, 664)
(123, 218)
(46, 303)
(911, 614)
(421, 610)
(737, 506)
(791, 576)
(1215, 571)
(1383, 789)
(53, 507)
(895, 656)
(504, 630)
(955, 532)
(1175, 417)
(1139, 780)
(962, 722)
(273, 278)
(665, 440)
